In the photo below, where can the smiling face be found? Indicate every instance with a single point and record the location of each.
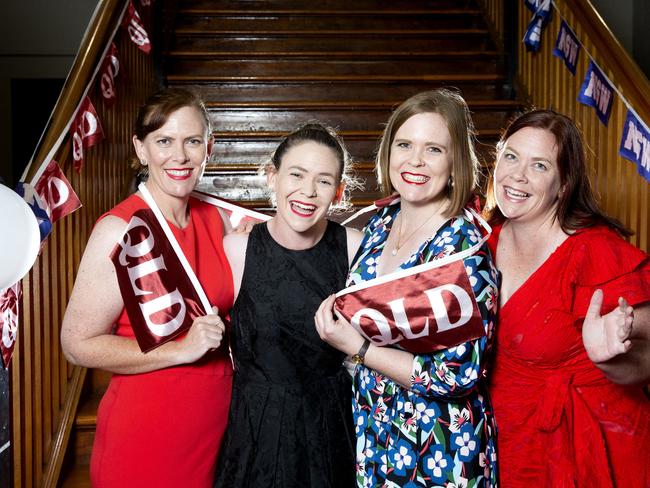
(175, 153)
(305, 185)
(420, 159)
(527, 178)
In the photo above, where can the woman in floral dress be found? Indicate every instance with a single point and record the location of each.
(422, 420)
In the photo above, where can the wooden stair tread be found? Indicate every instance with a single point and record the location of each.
(346, 104)
(309, 4)
(77, 477)
(246, 35)
(324, 12)
(330, 32)
(87, 411)
(334, 54)
(449, 78)
(343, 133)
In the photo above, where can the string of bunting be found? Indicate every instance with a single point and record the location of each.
(49, 194)
(597, 90)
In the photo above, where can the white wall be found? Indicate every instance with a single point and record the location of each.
(38, 39)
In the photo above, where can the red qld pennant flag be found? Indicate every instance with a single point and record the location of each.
(161, 293)
(136, 30)
(422, 309)
(56, 192)
(235, 213)
(85, 132)
(159, 298)
(108, 73)
(9, 300)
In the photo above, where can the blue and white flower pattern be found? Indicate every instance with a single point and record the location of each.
(439, 432)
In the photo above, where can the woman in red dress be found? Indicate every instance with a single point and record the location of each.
(162, 418)
(567, 382)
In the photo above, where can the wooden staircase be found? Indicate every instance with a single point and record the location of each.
(266, 66)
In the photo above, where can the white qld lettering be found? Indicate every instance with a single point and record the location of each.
(398, 310)
(10, 329)
(165, 302)
(107, 85)
(599, 92)
(145, 268)
(638, 143)
(77, 146)
(440, 310)
(55, 187)
(385, 336)
(90, 124)
(140, 249)
(137, 33)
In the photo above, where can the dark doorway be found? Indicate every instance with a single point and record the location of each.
(32, 101)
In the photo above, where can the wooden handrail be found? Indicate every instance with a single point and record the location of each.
(631, 79)
(98, 34)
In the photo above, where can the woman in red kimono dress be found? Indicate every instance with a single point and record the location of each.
(566, 384)
(164, 413)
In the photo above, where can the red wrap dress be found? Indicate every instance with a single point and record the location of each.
(561, 422)
(164, 428)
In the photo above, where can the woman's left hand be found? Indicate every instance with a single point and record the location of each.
(335, 330)
(607, 336)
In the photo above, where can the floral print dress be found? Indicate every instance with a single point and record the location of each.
(440, 431)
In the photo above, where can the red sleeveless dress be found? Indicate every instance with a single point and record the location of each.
(164, 428)
(561, 422)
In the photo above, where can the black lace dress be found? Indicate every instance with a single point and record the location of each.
(290, 421)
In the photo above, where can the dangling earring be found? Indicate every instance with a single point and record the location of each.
(143, 172)
(450, 183)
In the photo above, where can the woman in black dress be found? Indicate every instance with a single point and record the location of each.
(290, 419)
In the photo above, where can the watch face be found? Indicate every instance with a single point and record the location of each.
(356, 359)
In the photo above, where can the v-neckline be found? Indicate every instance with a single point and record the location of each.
(417, 251)
(530, 278)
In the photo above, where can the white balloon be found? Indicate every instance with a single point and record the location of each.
(20, 237)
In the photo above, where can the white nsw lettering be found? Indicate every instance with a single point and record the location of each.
(639, 144)
(599, 92)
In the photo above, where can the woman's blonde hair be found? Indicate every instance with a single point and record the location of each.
(464, 164)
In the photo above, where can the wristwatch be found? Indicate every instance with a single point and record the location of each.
(359, 357)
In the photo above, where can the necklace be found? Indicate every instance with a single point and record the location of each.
(400, 244)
